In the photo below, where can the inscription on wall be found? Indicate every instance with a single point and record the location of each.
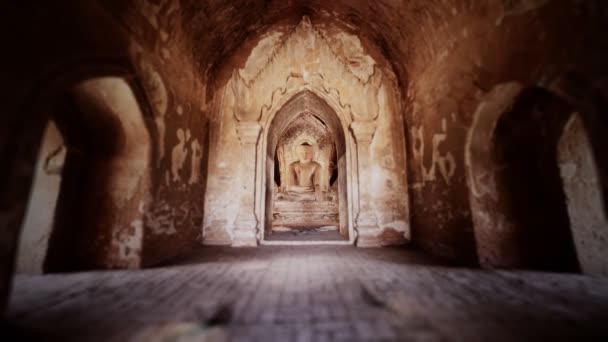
(442, 163)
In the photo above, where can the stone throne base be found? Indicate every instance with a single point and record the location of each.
(305, 214)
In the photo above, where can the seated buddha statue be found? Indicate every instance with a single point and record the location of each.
(304, 180)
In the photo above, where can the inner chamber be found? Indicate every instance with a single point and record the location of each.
(305, 196)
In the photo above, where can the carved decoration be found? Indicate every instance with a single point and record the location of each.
(306, 59)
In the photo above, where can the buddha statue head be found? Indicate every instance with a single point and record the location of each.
(305, 153)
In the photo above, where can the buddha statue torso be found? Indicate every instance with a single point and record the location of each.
(304, 177)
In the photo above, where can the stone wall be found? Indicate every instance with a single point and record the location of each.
(305, 58)
(446, 56)
(38, 222)
(175, 89)
(584, 197)
(459, 59)
(438, 59)
(149, 51)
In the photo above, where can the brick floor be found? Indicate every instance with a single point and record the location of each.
(311, 234)
(309, 293)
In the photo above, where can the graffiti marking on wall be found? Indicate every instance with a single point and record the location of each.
(197, 156)
(179, 154)
(445, 163)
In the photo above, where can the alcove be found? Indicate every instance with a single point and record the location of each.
(310, 216)
(90, 184)
(517, 198)
(535, 192)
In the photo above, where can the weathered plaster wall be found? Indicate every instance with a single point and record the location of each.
(517, 201)
(175, 89)
(105, 180)
(305, 58)
(461, 57)
(34, 237)
(584, 198)
(388, 183)
(37, 75)
(445, 55)
(142, 42)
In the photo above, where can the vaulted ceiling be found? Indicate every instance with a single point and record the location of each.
(409, 34)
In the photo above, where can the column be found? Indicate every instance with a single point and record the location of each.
(366, 222)
(246, 223)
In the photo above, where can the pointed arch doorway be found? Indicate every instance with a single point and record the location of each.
(306, 175)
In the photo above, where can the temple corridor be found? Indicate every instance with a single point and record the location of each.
(310, 293)
(304, 170)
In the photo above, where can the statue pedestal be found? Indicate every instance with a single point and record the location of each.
(305, 214)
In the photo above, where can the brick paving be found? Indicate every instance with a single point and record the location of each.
(309, 293)
(309, 234)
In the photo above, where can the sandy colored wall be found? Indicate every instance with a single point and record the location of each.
(461, 58)
(584, 198)
(281, 65)
(36, 229)
(176, 92)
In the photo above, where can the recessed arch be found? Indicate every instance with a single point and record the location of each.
(53, 105)
(366, 102)
(520, 180)
(38, 108)
(114, 176)
(291, 108)
(517, 200)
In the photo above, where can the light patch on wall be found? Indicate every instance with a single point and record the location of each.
(400, 226)
(567, 170)
(356, 59)
(197, 155)
(519, 7)
(584, 199)
(160, 220)
(154, 11)
(157, 95)
(54, 161)
(179, 154)
(40, 213)
(259, 55)
(128, 243)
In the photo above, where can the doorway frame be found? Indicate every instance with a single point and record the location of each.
(306, 93)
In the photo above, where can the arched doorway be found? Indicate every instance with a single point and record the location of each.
(517, 199)
(535, 177)
(367, 105)
(91, 178)
(320, 215)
